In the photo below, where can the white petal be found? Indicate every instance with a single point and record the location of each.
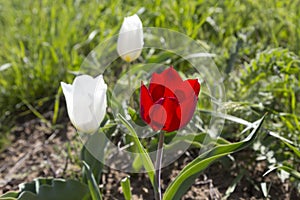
(131, 23)
(86, 102)
(83, 103)
(68, 92)
(100, 101)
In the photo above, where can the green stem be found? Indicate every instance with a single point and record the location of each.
(158, 195)
(130, 102)
(128, 75)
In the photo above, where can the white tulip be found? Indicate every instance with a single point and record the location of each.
(86, 102)
(131, 39)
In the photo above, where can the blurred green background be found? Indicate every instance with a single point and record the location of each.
(257, 44)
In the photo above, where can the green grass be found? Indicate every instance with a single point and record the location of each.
(257, 45)
(42, 41)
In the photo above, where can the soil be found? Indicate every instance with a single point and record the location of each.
(37, 150)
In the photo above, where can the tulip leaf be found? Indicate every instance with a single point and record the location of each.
(95, 165)
(9, 196)
(30, 196)
(147, 162)
(48, 189)
(93, 185)
(195, 140)
(137, 163)
(135, 117)
(190, 172)
(125, 183)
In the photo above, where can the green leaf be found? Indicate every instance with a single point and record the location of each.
(61, 189)
(93, 186)
(190, 172)
(147, 162)
(286, 142)
(49, 189)
(95, 165)
(291, 171)
(161, 57)
(30, 196)
(135, 117)
(137, 163)
(125, 183)
(296, 151)
(56, 105)
(9, 196)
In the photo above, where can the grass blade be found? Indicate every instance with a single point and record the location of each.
(125, 183)
(291, 171)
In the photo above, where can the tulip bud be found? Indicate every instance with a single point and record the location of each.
(86, 102)
(130, 41)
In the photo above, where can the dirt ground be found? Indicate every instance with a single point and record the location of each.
(36, 150)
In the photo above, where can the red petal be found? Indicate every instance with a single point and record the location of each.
(187, 108)
(169, 78)
(158, 117)
(187, 95)
(165, 116)
(173, 110)
(145, 103)
(186, 91)
(195, 85)
(160, 91)
(157, 92)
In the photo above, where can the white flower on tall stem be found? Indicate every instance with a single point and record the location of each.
(131, 40)
(86, 102)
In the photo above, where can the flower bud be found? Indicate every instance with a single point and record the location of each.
(130, 40)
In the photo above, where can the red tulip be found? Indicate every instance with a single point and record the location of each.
(170, 102)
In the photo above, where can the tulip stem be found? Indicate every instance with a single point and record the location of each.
(158, 195)
(129, 83)
(128, 75)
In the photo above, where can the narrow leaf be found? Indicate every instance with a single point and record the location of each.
(93, 186)
(125, 183)
(287, 142)
(95, 165)
(147, 162)
(296, 151)
(190, 172)
(291, 171)
(56, 105)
